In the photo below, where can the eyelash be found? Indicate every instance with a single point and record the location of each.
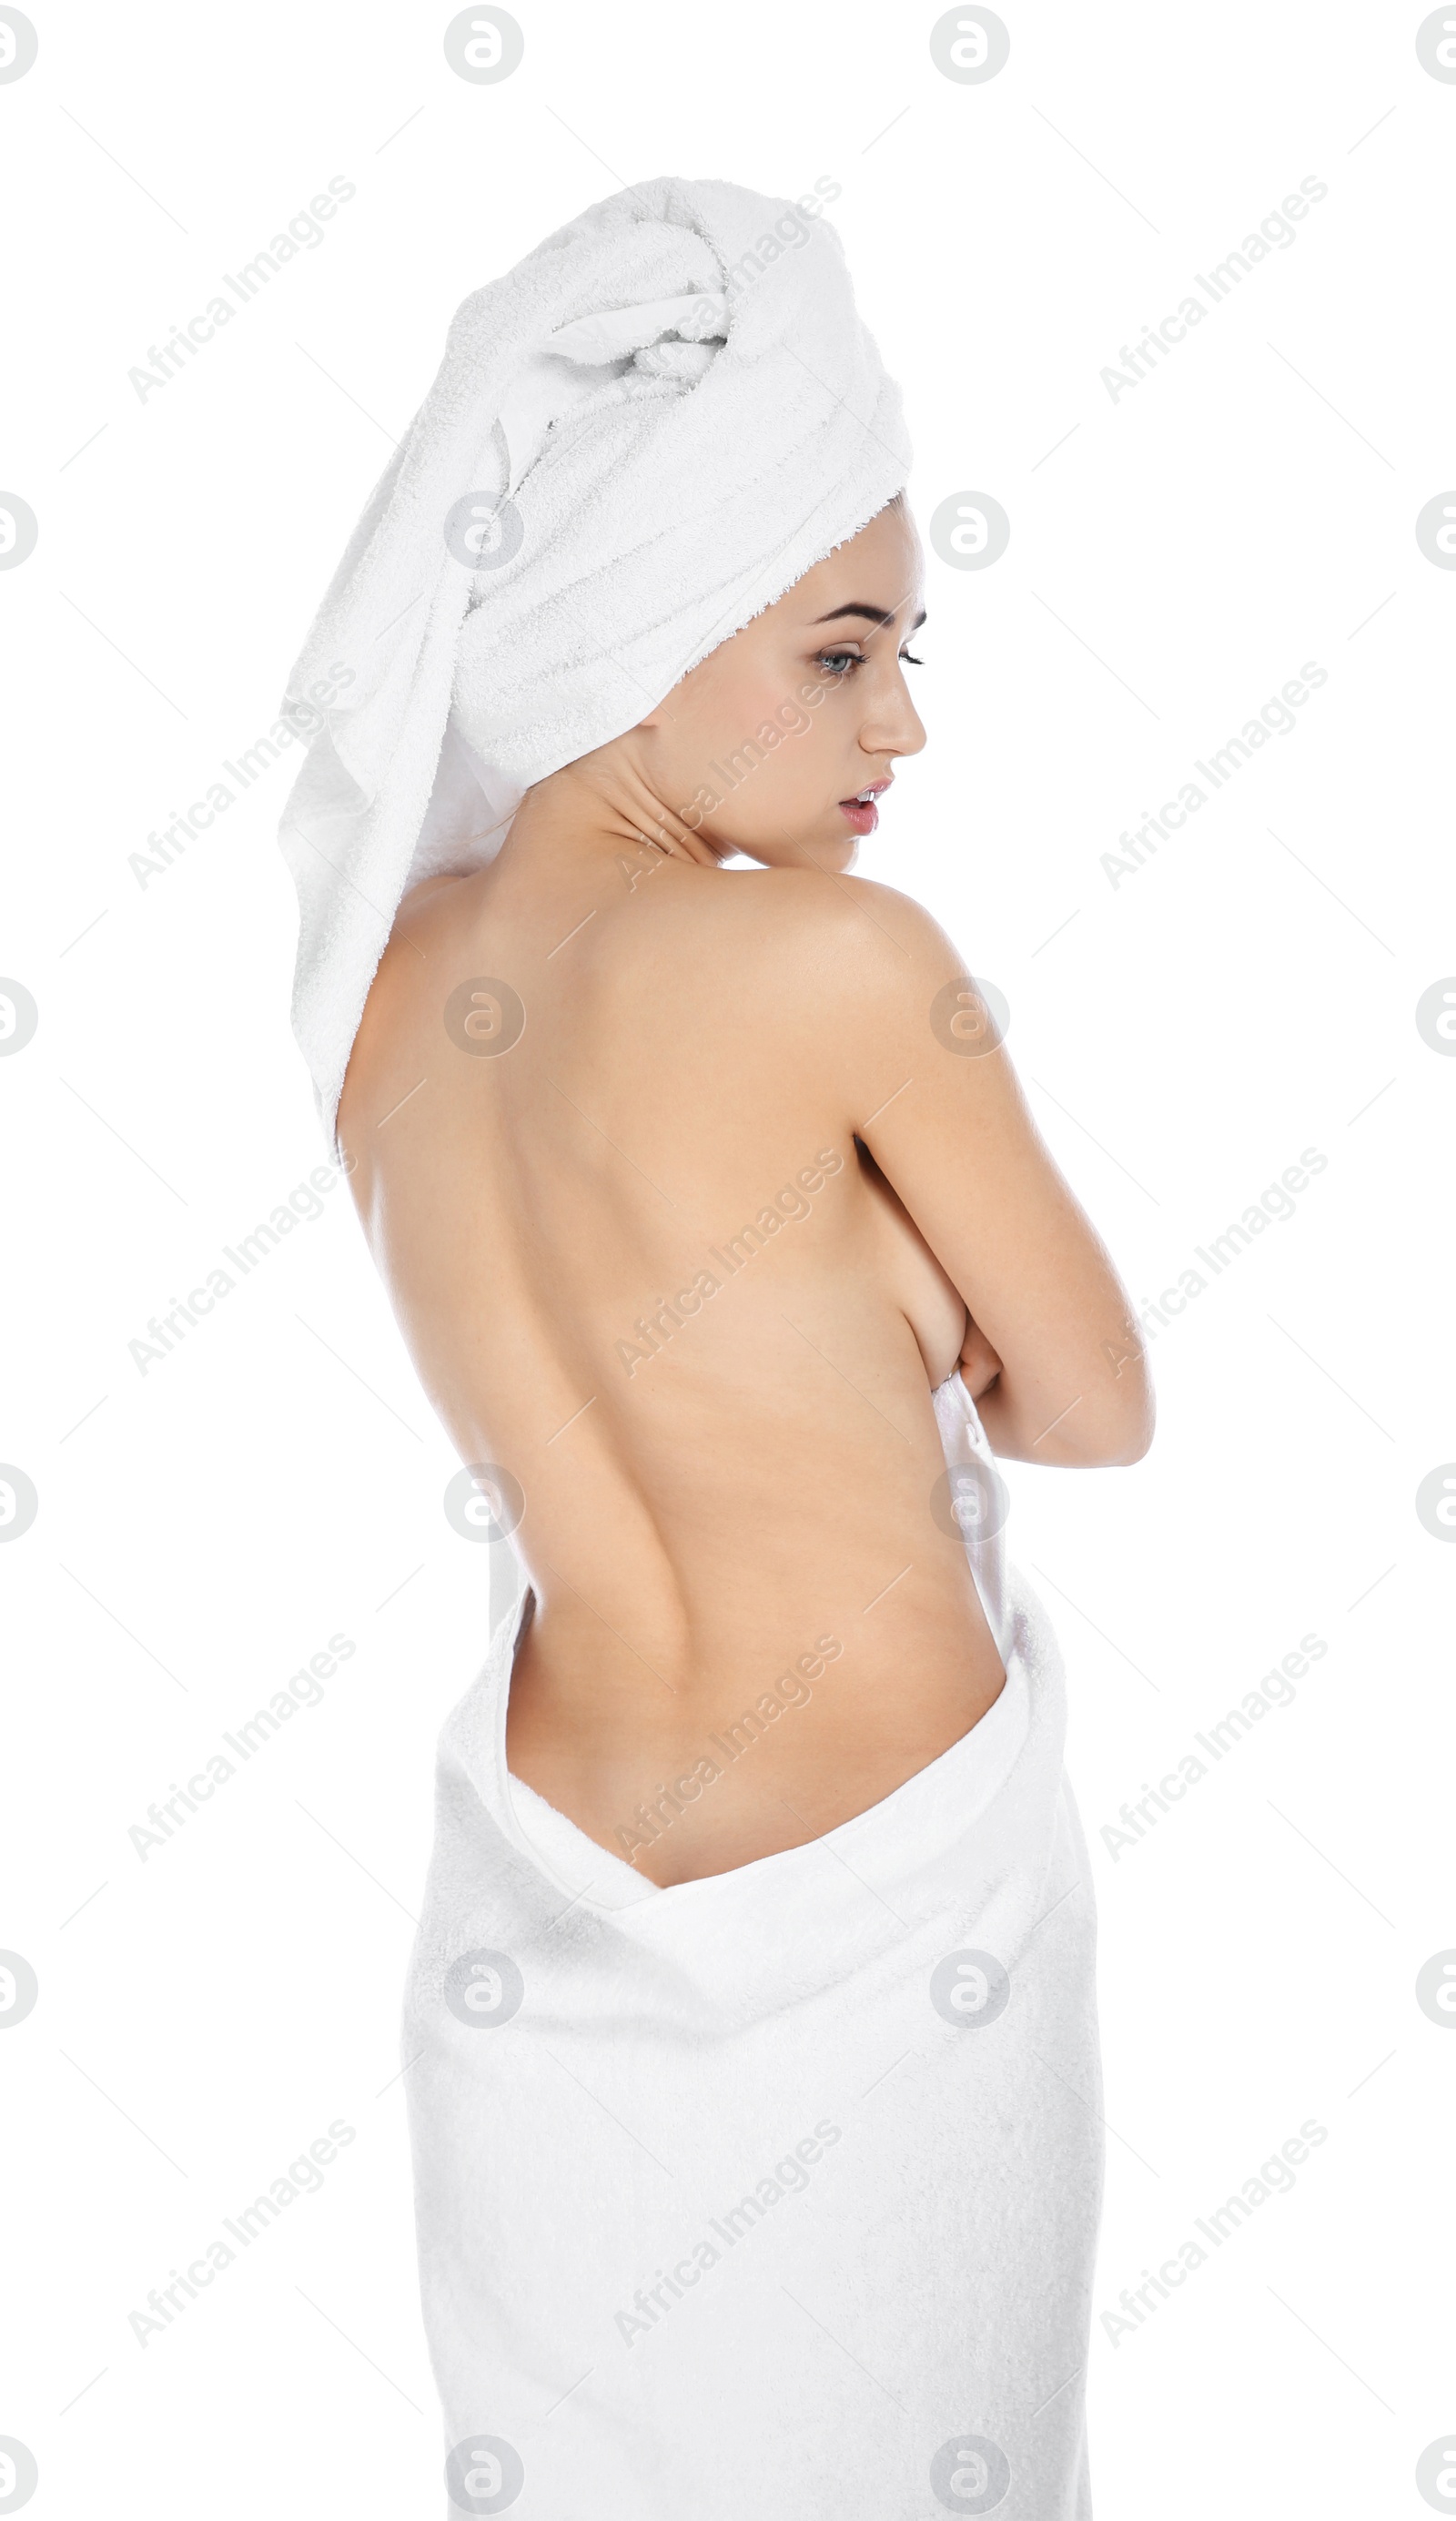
(830, 656)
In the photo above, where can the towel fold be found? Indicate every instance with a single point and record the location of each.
(637, 440)
(774, 2192)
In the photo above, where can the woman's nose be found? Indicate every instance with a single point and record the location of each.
(893, 725)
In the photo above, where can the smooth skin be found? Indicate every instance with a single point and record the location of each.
(729, 1504)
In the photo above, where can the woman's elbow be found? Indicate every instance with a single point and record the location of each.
(1111, 1421)
(1126, 1433)
(1132, 1451)
(1094, 1430)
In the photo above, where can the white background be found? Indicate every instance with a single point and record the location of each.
(1175, 557)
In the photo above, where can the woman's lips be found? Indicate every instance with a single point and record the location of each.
(861, 812)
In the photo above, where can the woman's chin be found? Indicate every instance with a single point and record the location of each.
(828, 840)
(832, 853)
(831, 844)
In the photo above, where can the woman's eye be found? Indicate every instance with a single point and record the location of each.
(840, 663)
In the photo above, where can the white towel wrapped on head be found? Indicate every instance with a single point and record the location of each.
(637, 440)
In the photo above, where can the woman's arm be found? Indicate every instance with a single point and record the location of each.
(1052, 1342)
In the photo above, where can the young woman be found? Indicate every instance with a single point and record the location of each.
(751, 2028)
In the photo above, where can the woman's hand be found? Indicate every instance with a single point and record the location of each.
(980, 1364)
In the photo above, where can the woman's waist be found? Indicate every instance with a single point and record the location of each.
(785, 1715)
(654, 1612)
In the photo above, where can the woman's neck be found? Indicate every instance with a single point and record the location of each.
(582, 817)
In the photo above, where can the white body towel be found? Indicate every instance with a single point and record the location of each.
(771, 2196)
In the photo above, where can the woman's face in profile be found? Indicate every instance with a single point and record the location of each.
(764, 746)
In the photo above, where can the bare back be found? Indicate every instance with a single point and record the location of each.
(642, 1261)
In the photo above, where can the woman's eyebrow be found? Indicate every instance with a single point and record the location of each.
(867, 612)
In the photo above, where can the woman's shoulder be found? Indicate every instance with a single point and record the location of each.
(820, 952)
(806, 910)
(848, 946)
(825, 971)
